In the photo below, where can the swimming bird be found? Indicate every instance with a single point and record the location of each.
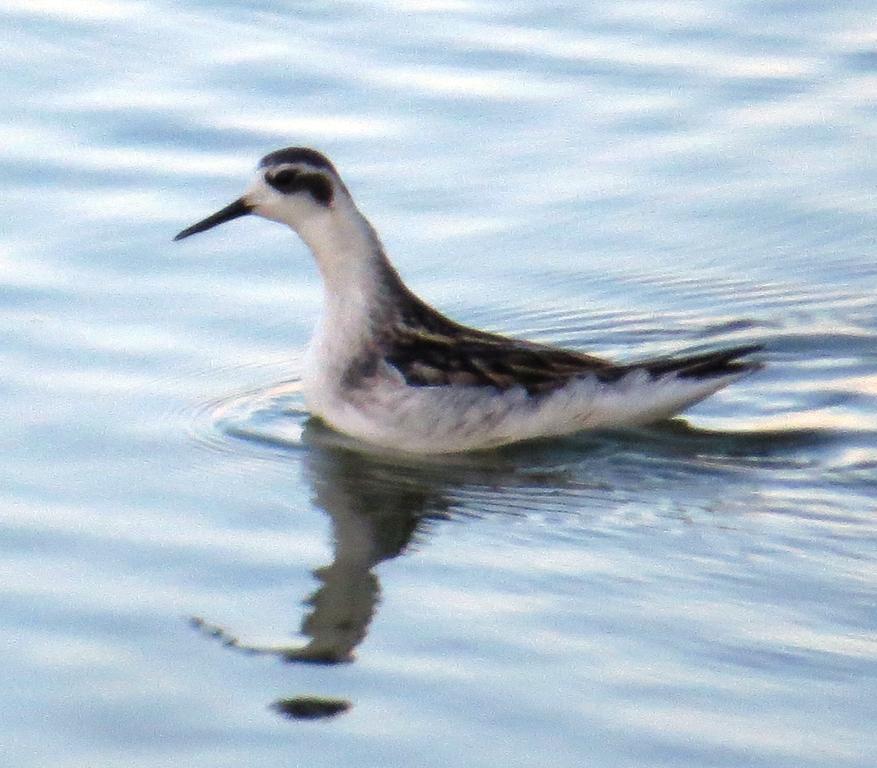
(386, 368)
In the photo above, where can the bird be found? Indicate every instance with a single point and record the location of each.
(386, 368)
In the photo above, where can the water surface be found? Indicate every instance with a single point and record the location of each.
(196, 574)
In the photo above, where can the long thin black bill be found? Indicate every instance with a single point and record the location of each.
(237, 209)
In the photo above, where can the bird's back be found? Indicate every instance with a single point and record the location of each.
(421, 382)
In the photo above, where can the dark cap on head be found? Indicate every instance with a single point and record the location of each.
(297, 155)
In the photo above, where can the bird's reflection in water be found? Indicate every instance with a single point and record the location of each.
(376, 509)
(379, 504)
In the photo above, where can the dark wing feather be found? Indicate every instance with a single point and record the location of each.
(481, 359)
(429, 349)
(703, 366)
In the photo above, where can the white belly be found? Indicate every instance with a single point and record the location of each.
(446, 419)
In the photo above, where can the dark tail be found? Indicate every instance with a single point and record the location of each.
(708, 365)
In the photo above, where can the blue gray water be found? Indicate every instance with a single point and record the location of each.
(194, 574)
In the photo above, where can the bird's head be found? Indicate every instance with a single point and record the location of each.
(295, 186)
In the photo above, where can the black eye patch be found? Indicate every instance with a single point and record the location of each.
(283, 181)
(288, 181)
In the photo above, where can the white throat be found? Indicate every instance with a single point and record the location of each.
(347, 251)
(355, 276)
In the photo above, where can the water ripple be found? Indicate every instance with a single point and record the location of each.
(627, 179)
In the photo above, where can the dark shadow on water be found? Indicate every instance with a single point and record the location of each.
(310, 707)
(379, 504)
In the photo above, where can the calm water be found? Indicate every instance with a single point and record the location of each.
(195, 575)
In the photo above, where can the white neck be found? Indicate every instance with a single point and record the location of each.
(357, 282)
(347, 251)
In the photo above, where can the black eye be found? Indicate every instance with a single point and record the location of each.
(283, 181)
(290, 180)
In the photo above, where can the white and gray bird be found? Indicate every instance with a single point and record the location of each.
(388, 369)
